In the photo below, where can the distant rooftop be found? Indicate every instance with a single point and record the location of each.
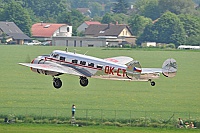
(11, 29)
(44, 29)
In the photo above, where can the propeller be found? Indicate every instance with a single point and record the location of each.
(28, 59)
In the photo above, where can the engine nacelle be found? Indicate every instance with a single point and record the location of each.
(42, 60)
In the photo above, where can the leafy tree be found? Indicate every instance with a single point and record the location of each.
(151, 10)
(108, 7)
(168, 29)
(64, 17)
(79, 3)
(191, 24)
(120, 7)
(138, 23)
(149, 35)
(107, 18)
(148, 8)
(197, 1)
(115, 18)
(74, 18)
(192, 27)
(193, 40)
(46, 10)
(120, 18)
(177, 6)
(15, 13)
(96, 9)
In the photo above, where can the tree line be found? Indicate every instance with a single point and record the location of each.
(161, 21)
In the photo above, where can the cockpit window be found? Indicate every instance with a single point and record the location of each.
(54, 55)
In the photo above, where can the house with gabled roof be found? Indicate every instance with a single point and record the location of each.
(113, 30)
(85, 25)
(11, 33)
(120, 31)
(99, 35)
(45, 31)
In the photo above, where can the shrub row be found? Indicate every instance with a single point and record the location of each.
(139, 122)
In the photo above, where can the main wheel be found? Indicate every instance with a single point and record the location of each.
(83, 81)
(153, 83)
(57, 83)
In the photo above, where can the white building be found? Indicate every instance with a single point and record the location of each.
(188, 47)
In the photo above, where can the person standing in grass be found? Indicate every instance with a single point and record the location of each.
(73, 110)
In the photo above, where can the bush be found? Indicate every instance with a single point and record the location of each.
(171, 45)
(108, 123)
(28, 119)
(137, 122)
(127, 46)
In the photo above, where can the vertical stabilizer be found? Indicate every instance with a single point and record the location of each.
(133, 69)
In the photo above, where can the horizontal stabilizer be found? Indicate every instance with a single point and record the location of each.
(169, 69)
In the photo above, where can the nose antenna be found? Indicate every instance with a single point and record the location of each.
(86, 52)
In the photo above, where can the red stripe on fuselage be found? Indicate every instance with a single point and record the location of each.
(72, 63)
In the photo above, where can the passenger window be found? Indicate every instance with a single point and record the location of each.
(62, 58)
(91, 64)
(99, 66)
(82, 62)
(74, 61)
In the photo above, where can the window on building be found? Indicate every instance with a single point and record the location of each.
(90, 45)
(68, 29)
(81, 43)
(67, 43)
(74, 43)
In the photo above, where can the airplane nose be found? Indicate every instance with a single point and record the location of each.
(32, 62)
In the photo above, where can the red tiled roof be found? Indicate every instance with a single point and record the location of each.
(92, 22)
(44, 29)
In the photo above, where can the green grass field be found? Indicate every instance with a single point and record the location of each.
(22, 90)
(34, 128)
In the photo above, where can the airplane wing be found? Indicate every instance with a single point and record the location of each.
(54, 68)
(120, 59)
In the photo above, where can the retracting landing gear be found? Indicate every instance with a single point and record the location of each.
(83, 81)
(152, 82)
(57, 83)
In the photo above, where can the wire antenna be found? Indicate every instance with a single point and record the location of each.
(66, 49)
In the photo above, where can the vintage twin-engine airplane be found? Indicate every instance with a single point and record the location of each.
(115, 68)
